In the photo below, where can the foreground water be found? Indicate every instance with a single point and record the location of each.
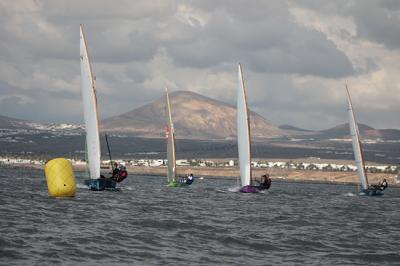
(148, 223)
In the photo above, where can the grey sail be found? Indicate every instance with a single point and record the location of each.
(243, 132)
(355, 139)
(170, 136)
(89, 110)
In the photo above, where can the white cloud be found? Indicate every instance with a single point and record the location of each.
(297, 56)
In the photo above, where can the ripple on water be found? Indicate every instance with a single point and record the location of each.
(147, 223)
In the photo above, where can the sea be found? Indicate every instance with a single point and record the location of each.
(208, 223)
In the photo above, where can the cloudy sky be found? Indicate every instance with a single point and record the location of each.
(297, 56)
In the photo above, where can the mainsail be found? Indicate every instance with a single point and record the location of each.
(89, 109)
(243, 132)
(355, 138)
(170, 135)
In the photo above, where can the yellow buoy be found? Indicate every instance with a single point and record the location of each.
(60, 178)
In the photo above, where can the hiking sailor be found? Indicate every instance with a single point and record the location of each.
(265, 182)
(189, 179)
(119, 173)
(381, 185)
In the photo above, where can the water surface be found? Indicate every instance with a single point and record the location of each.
(148, 223)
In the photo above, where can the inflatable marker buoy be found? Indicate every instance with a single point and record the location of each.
(60, 178)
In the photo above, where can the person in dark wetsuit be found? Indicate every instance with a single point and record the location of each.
(189, 179)
(383, 185)
(119, 173)
(123, 174)
(265, 182)
(116, 169)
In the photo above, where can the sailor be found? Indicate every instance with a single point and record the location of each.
(383, 185)
(116, 169)
(122, 174)
(189, 179)
(265, 182)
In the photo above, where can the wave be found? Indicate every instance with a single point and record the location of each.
(80, 185)
(234, 189)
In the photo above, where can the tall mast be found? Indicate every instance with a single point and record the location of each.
(90, 110)
(357, 147)
(171, 157)
(248, 119)
(243, 132)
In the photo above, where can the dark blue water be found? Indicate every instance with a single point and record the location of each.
(151, 224)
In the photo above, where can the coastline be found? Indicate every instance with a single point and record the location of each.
(276, 174)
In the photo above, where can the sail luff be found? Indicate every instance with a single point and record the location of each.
(243, 132)
(171, 157)
(355, 139)
(89, 109)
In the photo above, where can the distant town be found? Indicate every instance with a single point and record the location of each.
(219, 163)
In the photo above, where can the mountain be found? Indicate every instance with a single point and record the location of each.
(10, 123)
(13, 123)
(366, 132)
(293, 128)
(195, 117)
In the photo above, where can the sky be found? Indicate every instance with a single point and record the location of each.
(297, 57)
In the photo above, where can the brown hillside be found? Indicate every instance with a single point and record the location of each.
(195, 116)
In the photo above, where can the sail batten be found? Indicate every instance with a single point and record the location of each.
(243, 132)
(89, 110)
(171, 157)
(355, 140)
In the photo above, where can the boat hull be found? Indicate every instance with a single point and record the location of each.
(101, 184)
(250, 189)
(177, 184)
(371, 192)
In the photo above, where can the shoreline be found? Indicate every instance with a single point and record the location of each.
(276, 174)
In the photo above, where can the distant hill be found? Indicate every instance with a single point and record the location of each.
(366, 132)
(195, 116)
(13, 123)
(292, 128)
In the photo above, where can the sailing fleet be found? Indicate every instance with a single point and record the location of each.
(93, 151)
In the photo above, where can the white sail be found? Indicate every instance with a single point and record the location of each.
(243, 133)
(89, 110)
(355, 138)
(170, 135)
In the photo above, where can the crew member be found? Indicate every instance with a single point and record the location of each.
(116, 169)
(265, 182)
(122, 174)
(189, 179)
(383, 185)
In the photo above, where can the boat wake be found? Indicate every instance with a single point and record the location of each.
(234, 189)
(349, 194)
(79, 185)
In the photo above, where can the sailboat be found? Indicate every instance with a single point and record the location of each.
(243, 137)
(171, 156)
(96, 181)
(366, 189)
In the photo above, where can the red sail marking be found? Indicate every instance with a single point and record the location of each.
(167, 133)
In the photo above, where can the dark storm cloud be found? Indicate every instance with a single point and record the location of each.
(269, 41)
(377, 20)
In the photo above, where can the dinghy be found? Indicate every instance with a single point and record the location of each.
(366, 189)
(171, 156)
(90, 112)
(243, 137)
